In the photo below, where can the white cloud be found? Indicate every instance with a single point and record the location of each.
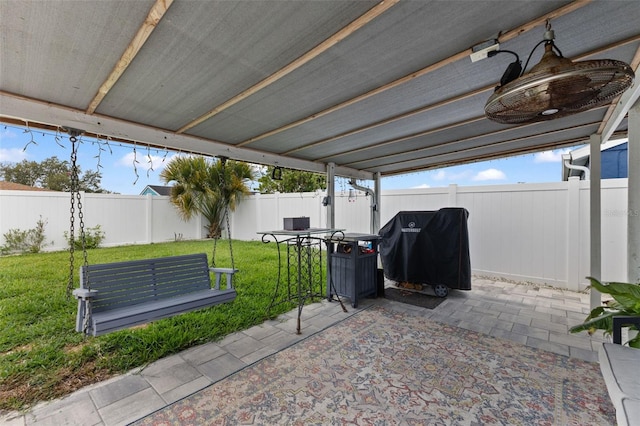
(144, 161)
(460, 176)
(12, 155)
(424, 185)
(550, 156)
(7, 134)
(490, 174)
(440, 175)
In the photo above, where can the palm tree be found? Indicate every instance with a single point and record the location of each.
(207, 187)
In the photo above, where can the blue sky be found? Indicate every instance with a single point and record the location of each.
(127, 172)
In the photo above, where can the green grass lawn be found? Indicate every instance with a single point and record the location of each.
(42, 357)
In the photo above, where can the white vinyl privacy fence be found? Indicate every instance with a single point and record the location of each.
(527, 232)
(124, 219)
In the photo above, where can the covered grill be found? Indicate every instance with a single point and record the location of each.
(428, 247)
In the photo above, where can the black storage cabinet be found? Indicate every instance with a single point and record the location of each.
(353, 264)
(430, 247)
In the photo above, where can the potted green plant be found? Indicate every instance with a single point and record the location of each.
(626, 302)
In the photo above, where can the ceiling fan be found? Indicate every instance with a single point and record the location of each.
(555, 87)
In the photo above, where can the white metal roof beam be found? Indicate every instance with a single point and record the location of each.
(626, 101)
(20, 108)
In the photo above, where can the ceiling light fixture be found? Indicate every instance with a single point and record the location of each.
(556, 86)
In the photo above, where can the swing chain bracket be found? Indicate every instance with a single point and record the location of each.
(73, 132)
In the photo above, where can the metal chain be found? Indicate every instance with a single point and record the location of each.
(75, 195)
(74, 185)
(226, 213)
(229, 236)
(82, 234)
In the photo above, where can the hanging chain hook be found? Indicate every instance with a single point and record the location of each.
(549, 35)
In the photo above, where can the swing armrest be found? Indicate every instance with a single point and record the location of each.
(224, 270)
(84, 294)
(228, 272)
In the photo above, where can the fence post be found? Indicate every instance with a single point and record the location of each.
(277, 197)
(453, 195)
(595, 216)
(573, 233)
(198, 221)
(257, 202)
(633, 199)
(149, 214)
(321, 209)
(331, 195)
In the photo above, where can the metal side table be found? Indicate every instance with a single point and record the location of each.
(304, 272)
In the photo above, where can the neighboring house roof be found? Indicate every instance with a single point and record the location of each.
(580, 157)
(12, 186)
(156, 190)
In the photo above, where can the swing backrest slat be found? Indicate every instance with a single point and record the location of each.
(130, 283)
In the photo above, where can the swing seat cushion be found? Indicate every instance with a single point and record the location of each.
(126, 294)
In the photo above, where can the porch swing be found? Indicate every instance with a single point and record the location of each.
(115, 296)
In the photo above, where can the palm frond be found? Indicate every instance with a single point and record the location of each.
(207, 187)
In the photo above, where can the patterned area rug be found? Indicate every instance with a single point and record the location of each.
(388, 368)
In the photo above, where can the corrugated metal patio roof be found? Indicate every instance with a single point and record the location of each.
(374, 87)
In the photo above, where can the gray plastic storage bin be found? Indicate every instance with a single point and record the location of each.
(353, 264)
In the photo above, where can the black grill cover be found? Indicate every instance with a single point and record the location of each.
(430, 247)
